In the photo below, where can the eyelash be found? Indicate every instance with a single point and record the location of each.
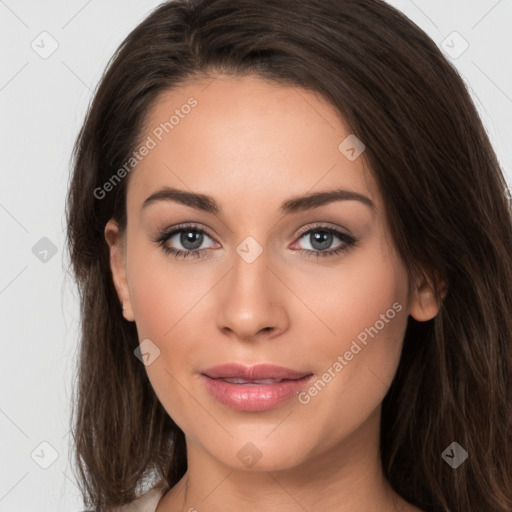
(349, 241)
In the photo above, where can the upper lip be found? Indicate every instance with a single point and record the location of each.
(254, 372)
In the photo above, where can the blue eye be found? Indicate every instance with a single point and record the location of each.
(322, 237)
(192, 238)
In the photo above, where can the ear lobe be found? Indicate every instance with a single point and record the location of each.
(424, 304)
(115, 242)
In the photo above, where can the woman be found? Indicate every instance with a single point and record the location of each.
(293, 243)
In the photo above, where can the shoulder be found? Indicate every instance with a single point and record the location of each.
(145, 503)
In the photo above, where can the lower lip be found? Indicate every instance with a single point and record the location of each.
(254, 397)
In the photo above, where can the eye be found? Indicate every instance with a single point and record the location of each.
(320, 238)
(189, 236)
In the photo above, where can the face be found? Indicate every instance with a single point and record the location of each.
(314, 286)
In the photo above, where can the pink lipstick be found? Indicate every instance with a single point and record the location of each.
(254, 388)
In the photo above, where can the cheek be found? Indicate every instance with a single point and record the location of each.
(355, 371)
(163, 292)
(367, 310)
(366, 313)
(164, 298)
(374, 298)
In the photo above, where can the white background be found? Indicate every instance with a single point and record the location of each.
(43, 102)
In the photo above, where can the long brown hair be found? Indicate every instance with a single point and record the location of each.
(446, 203)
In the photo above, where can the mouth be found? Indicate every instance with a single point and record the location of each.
(234, 380)
(256, 372)
(254, 388)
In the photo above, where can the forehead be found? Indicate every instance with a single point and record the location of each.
(247, 141)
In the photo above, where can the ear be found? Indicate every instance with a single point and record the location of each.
(116, 243)
(424, 304)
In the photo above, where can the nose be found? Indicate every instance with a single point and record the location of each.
(251, 301)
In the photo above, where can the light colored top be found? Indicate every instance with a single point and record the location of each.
(145, 503)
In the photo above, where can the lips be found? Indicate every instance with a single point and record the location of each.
(254, 388)
(261, 371)
(234, 380)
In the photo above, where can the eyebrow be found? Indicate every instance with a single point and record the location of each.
(294, 205)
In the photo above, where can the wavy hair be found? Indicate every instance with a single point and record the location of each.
(446, 201)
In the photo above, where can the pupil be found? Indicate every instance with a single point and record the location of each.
(191, 237)
(324, 238)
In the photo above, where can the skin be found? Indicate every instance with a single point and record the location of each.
(251, 145)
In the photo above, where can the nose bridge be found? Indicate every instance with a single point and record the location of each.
(250, 298)
(250, 273)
